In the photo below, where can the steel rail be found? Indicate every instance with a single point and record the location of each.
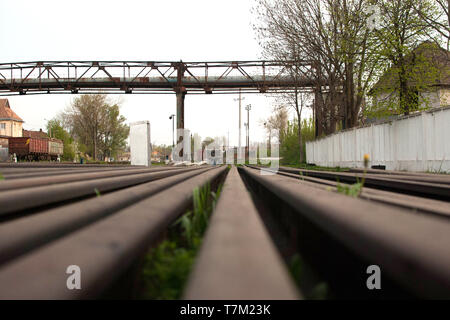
(418, 188)
(413, 176)
(26, 233)
(61, 165)
(413, 249)
(237, 259)
(65, 178)
(102, 250)
(421, 205)
(396, 173)
(32, 173)
(29, 198)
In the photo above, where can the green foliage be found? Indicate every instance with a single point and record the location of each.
(406, 70)
(113, 132)
(290, 148)
(97, 192)
(56, 130)
(419, 73)
(353, 190)
(1, 177)
(298, 272)
(163, 150)
(319, 292)
(97, 126)
(166, 267)
(165, 271)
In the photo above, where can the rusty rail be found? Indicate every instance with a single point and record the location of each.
(102, 249)
(411, 248)
(52, 219)
(431, 188)
(238, 259)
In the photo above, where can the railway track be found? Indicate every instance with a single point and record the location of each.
(104, 218)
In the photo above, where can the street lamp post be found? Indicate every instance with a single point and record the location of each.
(172, 117)
(240, 100)
(248, 108)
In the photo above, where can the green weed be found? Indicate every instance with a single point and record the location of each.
(297, 269)
(301, 176)
(166, 267)
(352, 190)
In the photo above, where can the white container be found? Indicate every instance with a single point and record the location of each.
(140, 145)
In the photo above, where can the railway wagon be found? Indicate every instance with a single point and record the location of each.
(27, 148)
(55, 147)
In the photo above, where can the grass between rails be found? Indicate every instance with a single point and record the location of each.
(352, 190)
(313, 289)
(166, 267)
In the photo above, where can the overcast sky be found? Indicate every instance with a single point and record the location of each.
(137, 30)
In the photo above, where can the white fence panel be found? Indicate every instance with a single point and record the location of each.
(419, 142)
(140, 145)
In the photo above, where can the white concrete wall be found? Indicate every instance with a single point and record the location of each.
(140, 145)
(419, 142)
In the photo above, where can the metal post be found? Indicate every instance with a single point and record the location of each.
(180, 110)
(173, 130)
(248, 108)
(248, 128)
(240, 101)
(180, 93)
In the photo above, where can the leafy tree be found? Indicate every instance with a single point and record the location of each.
(399, 30)
(97, 125)
(290, 148)
(56, 130)
(113, 132)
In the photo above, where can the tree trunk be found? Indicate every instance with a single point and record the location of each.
(299, 119)
(300, 140)
(95, 143)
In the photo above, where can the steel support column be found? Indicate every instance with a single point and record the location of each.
(180, 109)
(180, 91)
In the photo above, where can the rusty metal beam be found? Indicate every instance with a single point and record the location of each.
(149, 77)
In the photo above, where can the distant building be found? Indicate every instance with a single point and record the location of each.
(431, 89)
(10, 122)
(34, 134)
(124, 157)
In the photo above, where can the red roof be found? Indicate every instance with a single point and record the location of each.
(6, 113)
(34, 134)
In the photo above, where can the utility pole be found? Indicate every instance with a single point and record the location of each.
(240, 100)
(248, 108)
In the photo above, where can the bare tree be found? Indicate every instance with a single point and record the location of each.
(332, 36)
(435, 14)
